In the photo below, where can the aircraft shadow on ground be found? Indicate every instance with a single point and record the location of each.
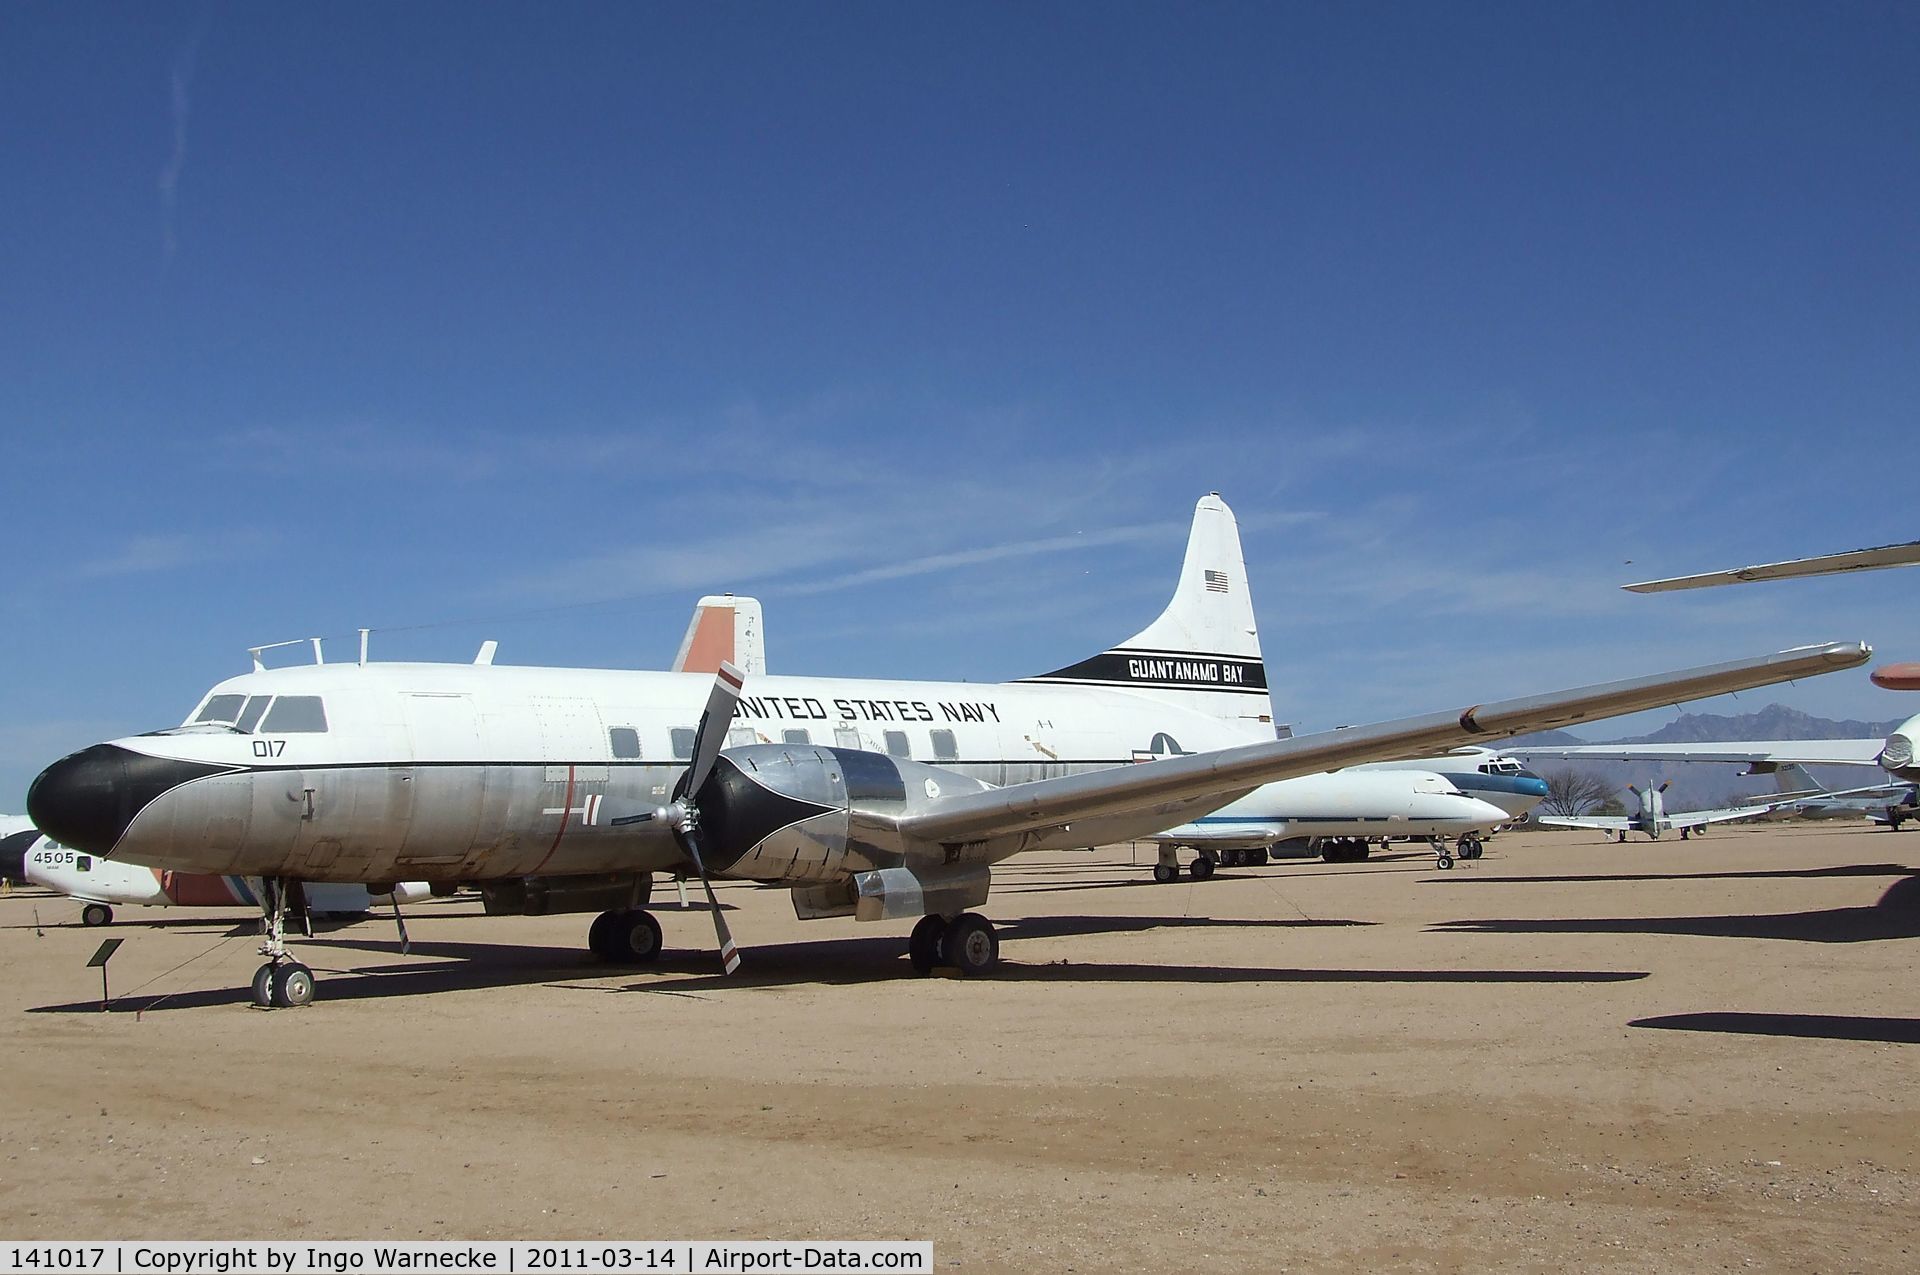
(1895, 916)
(475, 966)
(1891, 1031)
(1783, 874)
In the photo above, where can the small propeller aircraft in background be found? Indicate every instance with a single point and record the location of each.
(1652, 817)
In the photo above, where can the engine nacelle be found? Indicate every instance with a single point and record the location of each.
(800, 813)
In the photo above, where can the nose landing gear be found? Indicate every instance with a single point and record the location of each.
(282, 983)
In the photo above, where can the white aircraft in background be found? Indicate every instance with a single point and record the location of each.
(1894, 754)
(1336, 815)
(100, 884)
(1802, 796)
(568, 789)
(1652, 817)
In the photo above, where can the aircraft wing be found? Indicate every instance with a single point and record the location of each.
(1611, 823)
(1805, 752)
(1700, 818)
(1051, 804)
(1900, 555)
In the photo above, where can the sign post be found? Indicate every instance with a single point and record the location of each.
(100, 958)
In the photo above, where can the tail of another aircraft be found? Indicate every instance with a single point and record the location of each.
(724, 629)
(1203, 653)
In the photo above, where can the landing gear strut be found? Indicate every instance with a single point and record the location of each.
(966, 943)
(282, 983)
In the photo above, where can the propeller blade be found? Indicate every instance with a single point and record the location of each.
(729, 953)
(711, 735)
(406, 944)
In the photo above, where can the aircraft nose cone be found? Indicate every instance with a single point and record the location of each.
(1531, 784)
(88, 800)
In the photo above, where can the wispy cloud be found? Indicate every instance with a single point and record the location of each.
(172, 551)
(180, 108)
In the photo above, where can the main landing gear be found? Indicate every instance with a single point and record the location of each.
(966, 943)
(1167, 870)
(629, 936)
(282, 983)
(96, 914)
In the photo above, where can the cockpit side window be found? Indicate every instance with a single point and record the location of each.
(295, 715)
(221, 708)
(250, 715)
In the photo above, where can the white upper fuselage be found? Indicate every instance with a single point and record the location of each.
(1346, 803)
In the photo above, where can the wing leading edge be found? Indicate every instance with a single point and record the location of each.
(1033, 809)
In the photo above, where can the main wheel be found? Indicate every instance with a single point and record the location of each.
(292, 986)
(263, 986)
(1166, 872)
(923, 946)
(603, 938)
(1202, 868)
(969, 944)
(1362, 850)
(1260, 857)
(1444, 862)
(96, 914)
(637, 937)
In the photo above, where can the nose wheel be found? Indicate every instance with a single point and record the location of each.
(282, 983)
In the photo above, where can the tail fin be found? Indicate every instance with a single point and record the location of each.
(1798, 780)
(1203, 653)
(724, 628)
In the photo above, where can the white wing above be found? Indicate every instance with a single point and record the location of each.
(1900, 555)
(1806, 752)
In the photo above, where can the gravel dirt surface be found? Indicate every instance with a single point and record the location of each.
(1677, 1056)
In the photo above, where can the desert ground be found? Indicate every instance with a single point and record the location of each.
(1682, 1056)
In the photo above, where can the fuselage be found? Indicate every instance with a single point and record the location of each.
(383, 772)
(1347, 803)
(1482, 774)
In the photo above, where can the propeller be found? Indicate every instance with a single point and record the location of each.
(682, 814)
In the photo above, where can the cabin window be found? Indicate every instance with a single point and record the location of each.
(83, 862)
(897, 745)
(796, 737)
(221, 708)
(846, 737)
(625, 741)
(250, 715)
(740, 737)
(296, 715)
(682, 743)
(944, 748)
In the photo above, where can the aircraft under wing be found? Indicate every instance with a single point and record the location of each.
(1782, 752)
(1052, 804)
(1900, 555)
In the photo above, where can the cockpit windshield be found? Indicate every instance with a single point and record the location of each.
(269, 714)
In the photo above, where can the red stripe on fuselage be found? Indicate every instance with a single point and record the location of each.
(566, 813)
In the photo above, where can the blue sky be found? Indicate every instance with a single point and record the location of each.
(929, 324)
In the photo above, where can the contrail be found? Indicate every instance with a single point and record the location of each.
(180, 81)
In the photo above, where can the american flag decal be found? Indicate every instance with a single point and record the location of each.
(1216, 582)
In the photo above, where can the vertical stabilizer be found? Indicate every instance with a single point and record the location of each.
(724, 629)
(1204, 651)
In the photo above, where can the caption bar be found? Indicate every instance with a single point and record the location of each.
(374, 1257)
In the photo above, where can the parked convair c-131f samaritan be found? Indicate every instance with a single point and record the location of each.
(1652, 819)
(567, 789)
